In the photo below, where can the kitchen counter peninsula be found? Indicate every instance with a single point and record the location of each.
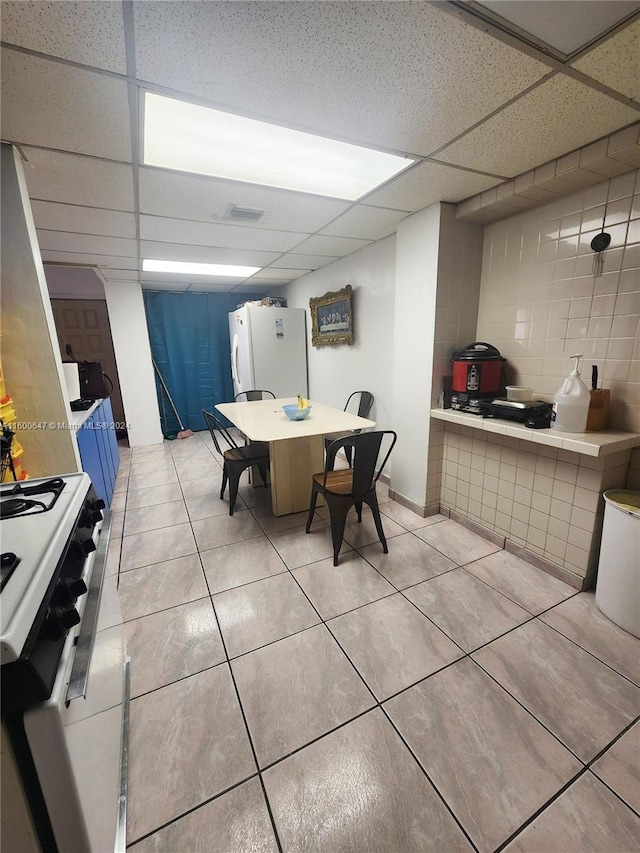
(588, 443)
(538, 492)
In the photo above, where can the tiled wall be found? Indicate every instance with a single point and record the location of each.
(545, 500)
(540, 303)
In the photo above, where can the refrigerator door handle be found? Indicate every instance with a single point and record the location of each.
(234, 361)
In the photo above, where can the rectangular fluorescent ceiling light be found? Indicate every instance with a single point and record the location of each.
(186, 268)
(192, 138)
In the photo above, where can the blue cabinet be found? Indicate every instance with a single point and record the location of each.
(98, 448)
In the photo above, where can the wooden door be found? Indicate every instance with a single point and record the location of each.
(84, 323)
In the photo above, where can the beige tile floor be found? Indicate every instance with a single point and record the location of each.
(444, 697)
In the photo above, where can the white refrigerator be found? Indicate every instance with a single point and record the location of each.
(269, 350)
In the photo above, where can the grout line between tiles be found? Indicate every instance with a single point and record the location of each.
(612, 743)
(539, 811)
(377, 703)
(593, 655)
(429, 779)
(242, 712)
(613, 791)
(517, 603)
(529, 711)
(191, 811)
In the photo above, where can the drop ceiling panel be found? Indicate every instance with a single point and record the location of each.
(204, 254)
(83, 220)
(616, 62)
(517, 138)
(367, 223)
(428, 183)
(248, 288)
(119, 275)
(266, 286)
(159, 285)
(336, 246)
(50, 104)
(193, 197)
(340, 68)
(275, 274)
(60, 241)
(223, 236)
(73, 179)
(89, 33)
(565, 26)
(310, 262)
(107, 261)
(203, 287)
(191, 281)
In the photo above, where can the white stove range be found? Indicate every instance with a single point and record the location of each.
(56, 667)
(37, 519)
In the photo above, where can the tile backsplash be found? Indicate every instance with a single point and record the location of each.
(540, 301)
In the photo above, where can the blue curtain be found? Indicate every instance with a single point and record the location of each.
(189, 335)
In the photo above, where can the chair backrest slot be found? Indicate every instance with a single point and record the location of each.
(250, 396)
(215, 426)
(365, 451)
(365, 402)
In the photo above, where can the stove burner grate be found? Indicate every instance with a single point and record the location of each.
(16, 506)
(8, 562)
(20, 499)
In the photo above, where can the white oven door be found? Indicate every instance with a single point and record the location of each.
(77, 746)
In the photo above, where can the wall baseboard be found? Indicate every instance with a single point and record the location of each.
(547, 566)
(419, 509)
(491, 535)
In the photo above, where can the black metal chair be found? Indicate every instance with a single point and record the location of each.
(353, 486)
(250, 396)
(236, 459)
(364, 401)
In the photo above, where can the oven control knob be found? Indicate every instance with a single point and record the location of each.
(75, 587)
(58, 622)
(89, 517)
(69, 617)
(86, 546)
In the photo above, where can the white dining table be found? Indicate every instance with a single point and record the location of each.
(296, 448)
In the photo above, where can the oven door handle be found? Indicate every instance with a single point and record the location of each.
(84, 646)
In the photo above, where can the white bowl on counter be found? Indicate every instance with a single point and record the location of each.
(518, 393)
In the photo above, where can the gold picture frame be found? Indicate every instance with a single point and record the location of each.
(332, 318)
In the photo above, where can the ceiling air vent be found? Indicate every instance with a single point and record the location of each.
(236, 213)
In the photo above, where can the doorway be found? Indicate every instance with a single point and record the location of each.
(84, 323)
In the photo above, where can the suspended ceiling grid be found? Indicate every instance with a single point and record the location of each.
(475, 98)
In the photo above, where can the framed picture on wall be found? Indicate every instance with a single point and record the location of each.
(332, 318)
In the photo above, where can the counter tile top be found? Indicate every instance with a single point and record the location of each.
(588, 443)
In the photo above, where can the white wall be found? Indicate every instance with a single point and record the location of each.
(133, 357)
(367, 365)
(418, 240)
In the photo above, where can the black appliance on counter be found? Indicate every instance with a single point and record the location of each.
(534, 414)
(478, 375)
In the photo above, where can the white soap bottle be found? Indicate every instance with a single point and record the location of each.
(571, 403)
